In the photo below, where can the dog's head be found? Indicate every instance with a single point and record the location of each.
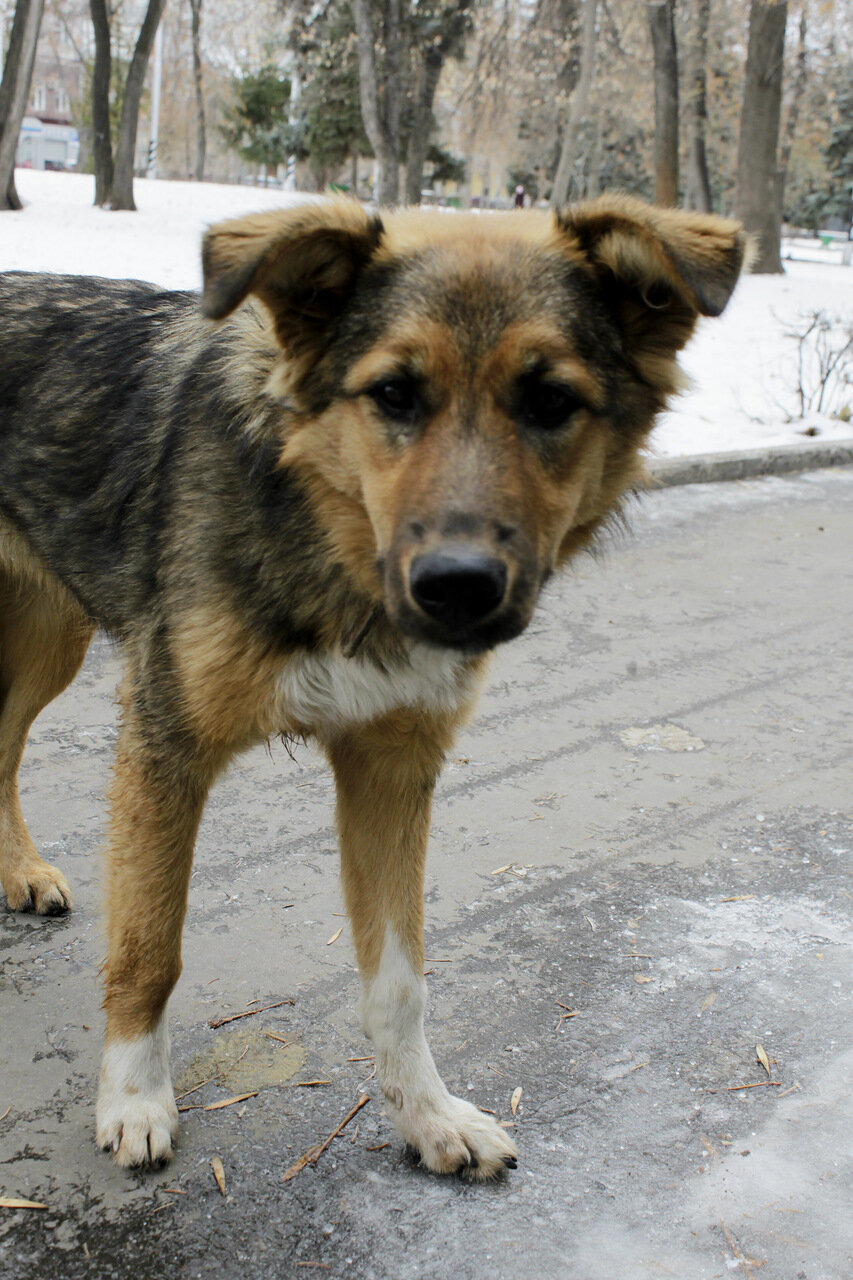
(467, 396)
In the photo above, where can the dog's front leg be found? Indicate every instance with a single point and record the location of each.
(157, 798)
(385, 774)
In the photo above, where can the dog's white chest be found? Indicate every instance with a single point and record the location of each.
(326, 692)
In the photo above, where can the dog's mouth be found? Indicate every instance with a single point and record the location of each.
(458, 596)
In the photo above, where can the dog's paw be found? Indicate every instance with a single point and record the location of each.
(138, 1131)
(452, 1136)
(37, 887)
(137, 1118)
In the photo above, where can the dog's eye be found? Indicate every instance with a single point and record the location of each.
(398, 398)
(547, 405)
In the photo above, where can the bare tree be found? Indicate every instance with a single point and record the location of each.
(381, 111)
(698, 192)
(121, 196)
(790, 131)
(15, 92)
(201, 130)
(102, 145)
(756, 201)
(445, 38)
(661, 17)
(114, 173)
(578, 106)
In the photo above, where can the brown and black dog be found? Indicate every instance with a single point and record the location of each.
(316, 518)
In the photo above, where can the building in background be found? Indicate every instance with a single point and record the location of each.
(50, 132)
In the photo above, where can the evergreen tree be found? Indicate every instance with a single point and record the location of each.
(839, 151)
(257, 125)
(330, 102)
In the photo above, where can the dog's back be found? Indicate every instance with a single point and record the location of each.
(85, 368)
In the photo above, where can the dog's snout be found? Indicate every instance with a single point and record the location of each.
(457, 586)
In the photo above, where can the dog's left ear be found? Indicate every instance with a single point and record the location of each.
(659, 268)
(302, 262)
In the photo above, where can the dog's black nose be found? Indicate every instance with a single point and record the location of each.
(457, 586)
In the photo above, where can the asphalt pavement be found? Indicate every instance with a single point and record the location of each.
(639, 907)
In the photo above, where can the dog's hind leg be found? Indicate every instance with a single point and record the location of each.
(160, 785)
(385, 774)
(43, 640)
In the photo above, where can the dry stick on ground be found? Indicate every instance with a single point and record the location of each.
(230, 1102)
(735, 1088)
(186, 1093)
(250, 1013)
(312, 1155)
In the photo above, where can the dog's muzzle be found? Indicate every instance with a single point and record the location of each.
(465, 592)
(458, 586)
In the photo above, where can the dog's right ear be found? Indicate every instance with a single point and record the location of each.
(301, 262)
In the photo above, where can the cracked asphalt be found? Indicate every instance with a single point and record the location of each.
(640, 872)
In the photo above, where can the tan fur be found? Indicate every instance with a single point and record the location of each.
(156, 807)
(43, 639)
(384, 774)
(227, 679)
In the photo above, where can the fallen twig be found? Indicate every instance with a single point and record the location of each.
(739, 1254)
(220, 1022)
(230, 1102)
(186, 1093)
(564, 1017)
(312, 1155)
(734, 1088)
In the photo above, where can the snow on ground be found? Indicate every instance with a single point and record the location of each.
(743, 366)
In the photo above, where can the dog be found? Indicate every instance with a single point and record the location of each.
(313, 506)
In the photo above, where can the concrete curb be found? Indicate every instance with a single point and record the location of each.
(745, 464)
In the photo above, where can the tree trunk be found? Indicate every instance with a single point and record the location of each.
(698, 194)
(201, 131)
(662, 27)
(790, 131)
(593, 177)
(15, 92)
(376, 124)
(577, 107)
(102, 144)
(455, 27)
(393, 89)
(428, 77)
(757, 194)
(121, 196)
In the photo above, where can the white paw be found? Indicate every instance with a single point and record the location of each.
(136, 1114)
(452, 1136)
(138, 1131)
